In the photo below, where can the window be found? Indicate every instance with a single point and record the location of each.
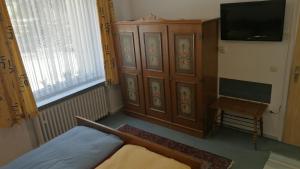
(60, 45)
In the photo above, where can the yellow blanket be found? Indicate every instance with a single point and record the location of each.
(136, 157)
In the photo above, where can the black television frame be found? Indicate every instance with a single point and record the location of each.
(223, 22)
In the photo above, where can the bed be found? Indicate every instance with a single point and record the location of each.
(92, 145)
(137, 157)
(79, 148)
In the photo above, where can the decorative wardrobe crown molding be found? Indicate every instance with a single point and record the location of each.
(151, 18)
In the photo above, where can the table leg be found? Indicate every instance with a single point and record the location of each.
(222, 117)
(261, 127)
(255, 133)
(215, 120)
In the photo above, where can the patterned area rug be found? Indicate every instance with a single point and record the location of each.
(217, 162)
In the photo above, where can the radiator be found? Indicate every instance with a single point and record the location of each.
(58, 118)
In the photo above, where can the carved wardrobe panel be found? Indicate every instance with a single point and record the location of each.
(130, 67)
(169, 70)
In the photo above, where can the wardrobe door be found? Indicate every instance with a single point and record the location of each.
(155, 61)
(186, 74)
(130, 71)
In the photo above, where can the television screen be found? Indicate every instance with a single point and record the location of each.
(253, 21)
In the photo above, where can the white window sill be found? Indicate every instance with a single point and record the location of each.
(68, 93)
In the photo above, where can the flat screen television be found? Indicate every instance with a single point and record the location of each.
(253, 21)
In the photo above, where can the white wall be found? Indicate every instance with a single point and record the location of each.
(114, 98)
(16, 141)
(263, 62)
(122, 12)
(122, 9)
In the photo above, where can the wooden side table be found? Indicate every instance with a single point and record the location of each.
(241, 107)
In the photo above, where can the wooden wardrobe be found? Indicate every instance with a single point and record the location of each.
(168, 71)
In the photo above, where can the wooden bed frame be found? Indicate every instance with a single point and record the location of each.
(194, 163)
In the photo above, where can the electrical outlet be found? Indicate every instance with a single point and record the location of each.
(273, 69)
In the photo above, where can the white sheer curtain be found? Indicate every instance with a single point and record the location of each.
(60, 44)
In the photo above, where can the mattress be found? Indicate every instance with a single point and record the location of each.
(136, 157)
(79, 148)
